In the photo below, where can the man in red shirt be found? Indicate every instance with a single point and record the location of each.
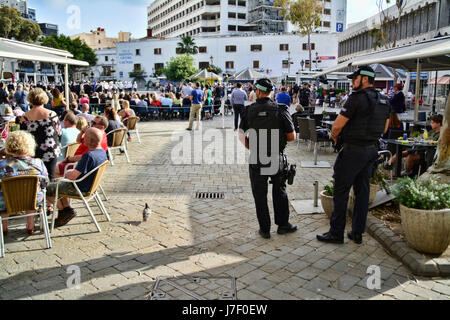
(100, 123)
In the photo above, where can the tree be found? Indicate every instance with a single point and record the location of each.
(180, 68)
(12, 25)
(187, 46)
(80, 50)
(305, 14)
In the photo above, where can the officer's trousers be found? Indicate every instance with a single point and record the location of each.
(353, 167)
(280, 199)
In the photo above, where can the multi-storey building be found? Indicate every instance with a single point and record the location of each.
(97, 39)
(22, 6)
(174, 18)
(48, 29)
(273, 55)
(421, 20)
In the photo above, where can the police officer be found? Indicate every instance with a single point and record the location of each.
(360, 125)
(275, 120)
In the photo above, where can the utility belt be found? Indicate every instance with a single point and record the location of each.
(354, 146)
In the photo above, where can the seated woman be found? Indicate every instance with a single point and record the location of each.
(20, 148)
(394, 124)
(125, 113)
(155, 101)
(299, 114)
(113, 123)
(414, 156)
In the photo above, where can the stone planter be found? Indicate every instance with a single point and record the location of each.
(327, 203)
(427, 231)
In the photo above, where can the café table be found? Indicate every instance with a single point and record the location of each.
(400, 144)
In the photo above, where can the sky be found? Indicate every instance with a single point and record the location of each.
(77, 16)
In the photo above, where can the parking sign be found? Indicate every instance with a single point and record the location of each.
(339, 27)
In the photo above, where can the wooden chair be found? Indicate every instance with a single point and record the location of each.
(132, 126)
(92, 194)
(20, 194)
(118, 143)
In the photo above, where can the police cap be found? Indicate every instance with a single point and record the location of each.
(364, 71)
(264, 85)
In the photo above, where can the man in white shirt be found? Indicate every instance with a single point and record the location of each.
(187, 90)
(85, 113)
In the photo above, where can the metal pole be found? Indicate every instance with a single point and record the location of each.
(435, 92)
(416, 108)
(66, 84)
(316, 194)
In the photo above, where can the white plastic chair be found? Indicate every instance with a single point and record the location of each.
(118, 143)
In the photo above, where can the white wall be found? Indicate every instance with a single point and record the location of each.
(270, 58)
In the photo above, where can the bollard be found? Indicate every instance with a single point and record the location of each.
(316, 194)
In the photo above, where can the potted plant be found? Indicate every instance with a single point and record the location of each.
(326, 198)
(425, 213)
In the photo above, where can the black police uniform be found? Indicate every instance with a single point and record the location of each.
(266, 114)
(368, 112)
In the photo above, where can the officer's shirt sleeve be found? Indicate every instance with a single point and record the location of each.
(244, 122)
(286, 120)
(349, 109)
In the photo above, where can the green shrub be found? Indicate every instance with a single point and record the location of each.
(330, 189)
(428, 194)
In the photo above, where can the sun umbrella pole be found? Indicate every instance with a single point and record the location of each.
(416, 108)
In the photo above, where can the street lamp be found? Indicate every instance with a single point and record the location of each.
(302, 63)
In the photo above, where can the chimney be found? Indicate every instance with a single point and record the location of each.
(149, 33)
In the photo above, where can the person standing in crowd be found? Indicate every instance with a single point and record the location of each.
(238, 98)
(360, 125)
(187, 90)
(4, 100)
(398, 99)
(45, 126)
(20, 97)
(197, 99)
(304, 96)
(284, 98)
(268, 115)
(59, 102)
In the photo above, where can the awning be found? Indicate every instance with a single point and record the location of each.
(433, 54)
(248, 74)
(23, 51)
(441, 80)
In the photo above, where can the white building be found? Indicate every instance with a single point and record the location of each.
(174, 18)
(265, 53)
(105, 68)
(22, 6)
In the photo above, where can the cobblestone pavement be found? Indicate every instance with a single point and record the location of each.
(188, 236)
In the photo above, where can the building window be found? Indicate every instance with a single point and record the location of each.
(255, 64)
(230, 49)
(157, 51)
(256, 47)
(241, 16)
(285, 64)
(202, 50)
(284, 47)
(242, 3)
(326, 24)
(203, 65)
(232, 15)
(159, 66)
(138, 52)
(313, 46)
(232, 2)
(231, 28)
(137, 67)
(229, 65)
(327, 11)
(106, 58)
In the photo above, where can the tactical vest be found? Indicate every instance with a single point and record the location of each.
(267, 116)
(369, 122)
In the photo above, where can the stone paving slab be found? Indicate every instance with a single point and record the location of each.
(195, 237)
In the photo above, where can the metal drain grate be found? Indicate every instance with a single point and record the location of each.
(195, 288)
(209, 195)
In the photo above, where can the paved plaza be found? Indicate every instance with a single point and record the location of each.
(199, 237)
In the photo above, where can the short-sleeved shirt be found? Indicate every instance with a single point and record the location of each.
(286, 123)
(112, 125)
(284, 98)
(90, 161)
(68, 135)
(186, 91)
(83, 149)
(197, 96)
